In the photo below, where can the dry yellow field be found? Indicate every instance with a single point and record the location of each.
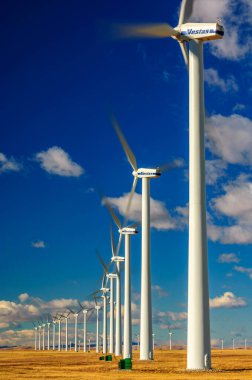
(25, 364)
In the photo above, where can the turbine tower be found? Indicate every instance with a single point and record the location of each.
(48, 333)
(85, 312)
(195, 34)
(97, 308)
(111, 277)
(75, 328)
(54, 323)
(126, 232)
(146, 347)
(39, 335)
(35, 336)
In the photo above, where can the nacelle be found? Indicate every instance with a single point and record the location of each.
(117, 258)
(202, 31)
(129, 231)
(148, 173)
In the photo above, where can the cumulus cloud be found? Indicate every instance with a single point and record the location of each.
(215, 169)
(228, 300)
(230, 138)
(236, 204)
(16, 337)
(31, 308)
(247, 271)
(239, 107)
(38, 244)
(56, 161)
(235, 15)
(8, 164)
(162, 293)
(160, 216)
(213, 79)
(228, 258)
(174, 316)
(23, 297)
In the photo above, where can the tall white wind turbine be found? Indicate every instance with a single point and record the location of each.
(85, 312)
(127, 232)
(195, 34)
(111, 277)
(146, 346)
(35, 336)
(75, 314)
(66, 317)
(97, 308)
(54, 326)
(39, 335)
(48, 333)
(59, 333)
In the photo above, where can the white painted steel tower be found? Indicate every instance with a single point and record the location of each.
(146, 346)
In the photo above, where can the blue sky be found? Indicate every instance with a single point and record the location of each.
(60, 78)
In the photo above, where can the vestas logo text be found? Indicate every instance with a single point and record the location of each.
(148, 173)
(199, 31)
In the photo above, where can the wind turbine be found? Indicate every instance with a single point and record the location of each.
(39, 335)
(75, 313)
(48, 333)
(85, 311)
(66, 317)
(127, 232)
(35, 336)
(43, 336)
(97, 308)
(195, 34)
(54, 323)
(146, 347)
(59, 332)
(111, 277)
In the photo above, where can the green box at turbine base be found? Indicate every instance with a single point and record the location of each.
(125, 364)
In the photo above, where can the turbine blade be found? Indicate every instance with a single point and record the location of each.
(185, 11)
(127, 211)
(130, 155)
(82, 307)
(149, 30)
(112, 240)
(102, 262)
(184, 53)
(112, 212)
(119, 244)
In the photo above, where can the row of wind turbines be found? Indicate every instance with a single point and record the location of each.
(41, 328)
(192, 35)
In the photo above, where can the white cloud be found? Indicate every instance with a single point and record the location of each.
(213, 79)
(32, 308)
(228, 258)
(236, 204)
(162, 293)
(239, 107)
(228, 300)
(215, 169)
(16, 337)
(160, 216)
(56, 161)
(8, 164)
(174, 316)
(234, 14)
(247, 271)
(38, 244)
(23, 297)
(230, 138)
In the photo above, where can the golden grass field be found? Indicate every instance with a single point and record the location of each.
(29, 364)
